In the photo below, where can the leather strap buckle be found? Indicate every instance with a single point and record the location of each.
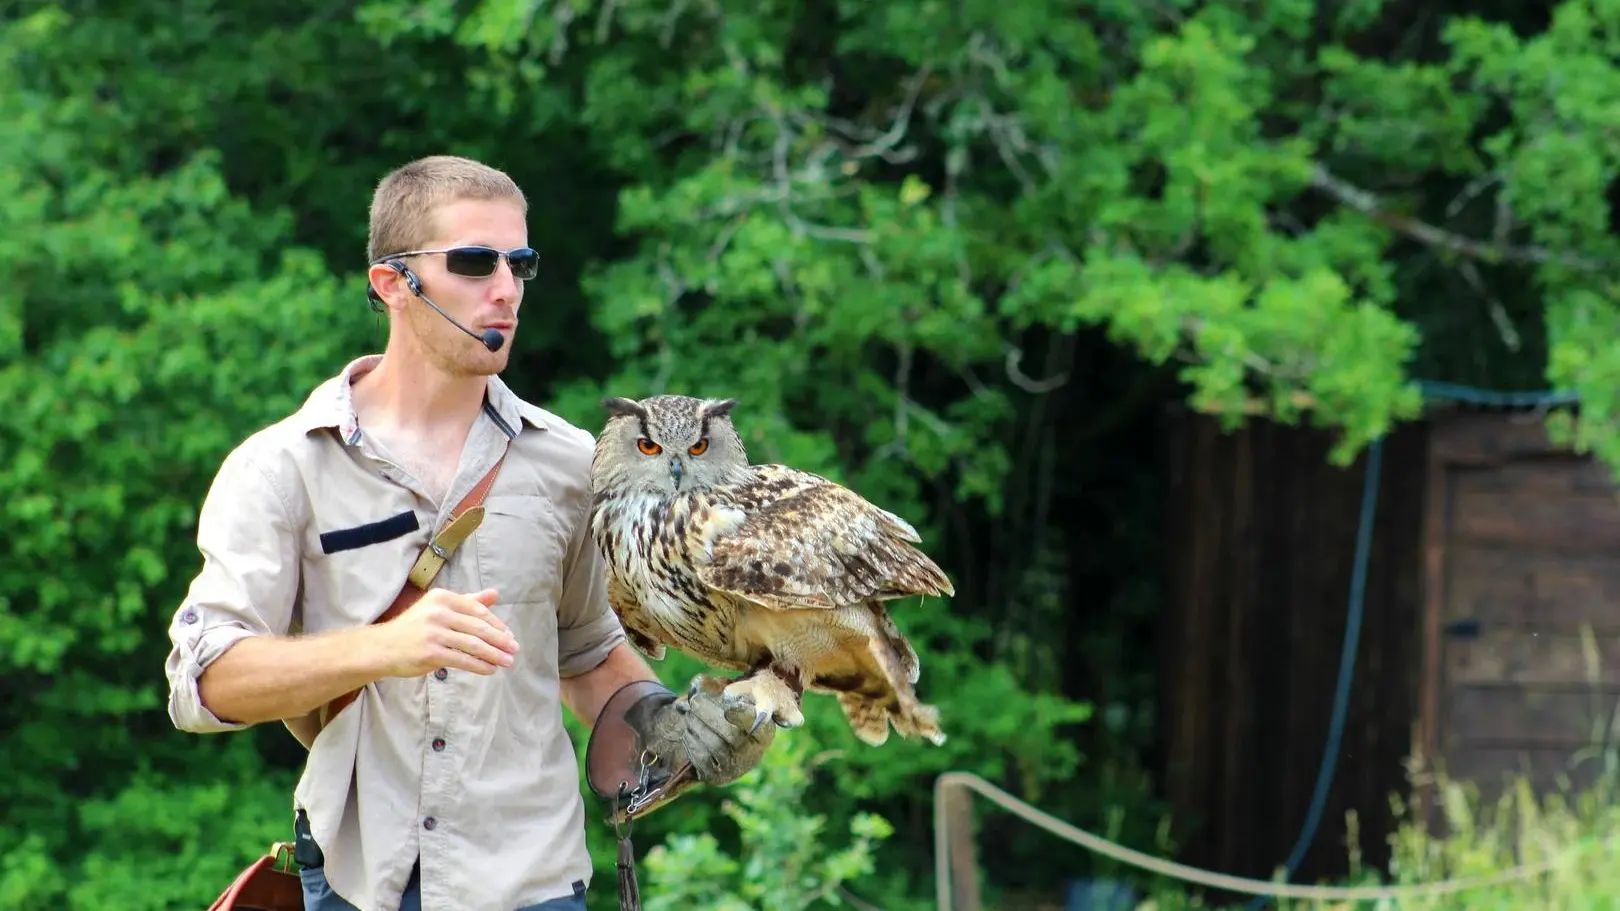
(442, 545)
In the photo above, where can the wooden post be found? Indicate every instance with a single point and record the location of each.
(963, 853)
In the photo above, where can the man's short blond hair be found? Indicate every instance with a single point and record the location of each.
(403, 205)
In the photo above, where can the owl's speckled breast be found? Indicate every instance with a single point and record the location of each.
(651, 544)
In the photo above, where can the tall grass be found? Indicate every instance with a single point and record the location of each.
(1469, 833)
(1475, 835)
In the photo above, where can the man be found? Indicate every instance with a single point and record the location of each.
(449, 781)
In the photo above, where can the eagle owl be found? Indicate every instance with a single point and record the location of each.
(763, 569)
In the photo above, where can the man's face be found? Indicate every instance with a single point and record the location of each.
(479, 303)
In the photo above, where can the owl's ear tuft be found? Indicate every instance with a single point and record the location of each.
(718, 409)
(623, 407)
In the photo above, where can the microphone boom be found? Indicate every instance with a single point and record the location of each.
(492, 339)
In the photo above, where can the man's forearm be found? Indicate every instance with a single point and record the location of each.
(268, 678)
(587, 693)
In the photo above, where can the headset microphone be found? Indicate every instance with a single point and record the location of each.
(491, 339)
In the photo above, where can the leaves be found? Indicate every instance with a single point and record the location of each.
(936, 251)
(788, 864)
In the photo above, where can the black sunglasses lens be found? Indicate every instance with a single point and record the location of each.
(525, 263)
(476, 262)
(479, 262)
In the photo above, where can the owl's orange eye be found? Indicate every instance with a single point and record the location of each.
(648, 447)
(700, 447)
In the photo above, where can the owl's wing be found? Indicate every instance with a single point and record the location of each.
(792, 539)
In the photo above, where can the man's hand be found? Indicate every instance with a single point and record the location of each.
(700, 729)
(265, 678)
(447, 629)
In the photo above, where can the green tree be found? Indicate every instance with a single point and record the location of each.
(951, 254)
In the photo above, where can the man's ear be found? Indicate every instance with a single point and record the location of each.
(386, 285)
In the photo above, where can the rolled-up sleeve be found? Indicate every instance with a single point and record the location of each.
(247, 586)
(587, 628)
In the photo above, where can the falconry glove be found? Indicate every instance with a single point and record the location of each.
(648, 745)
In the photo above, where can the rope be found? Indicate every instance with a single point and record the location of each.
(1185, 873)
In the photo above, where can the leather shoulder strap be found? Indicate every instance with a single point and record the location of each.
(463, 520)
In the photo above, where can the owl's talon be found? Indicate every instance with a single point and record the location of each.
(770, 698)
(701, 683)
(731, 699)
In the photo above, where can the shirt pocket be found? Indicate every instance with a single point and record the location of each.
(520, 548)
(354, 564)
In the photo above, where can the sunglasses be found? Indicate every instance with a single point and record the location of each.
(480, 262)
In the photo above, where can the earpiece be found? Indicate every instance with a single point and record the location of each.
(411, 281)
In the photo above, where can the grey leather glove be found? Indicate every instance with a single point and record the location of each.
(699, 729)
(642, 742)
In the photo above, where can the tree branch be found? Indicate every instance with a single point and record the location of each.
(1015, 373)
(1367, 203)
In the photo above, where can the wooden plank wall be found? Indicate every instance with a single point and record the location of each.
(1261, 539)
(1523, 540)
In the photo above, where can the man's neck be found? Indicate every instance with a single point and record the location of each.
(407, 395)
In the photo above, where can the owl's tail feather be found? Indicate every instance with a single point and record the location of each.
(885, 694)
(867, 718)
(870, 718)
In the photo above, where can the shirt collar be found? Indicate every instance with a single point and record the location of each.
(331, 404)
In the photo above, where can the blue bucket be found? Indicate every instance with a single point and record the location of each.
(1099, 895)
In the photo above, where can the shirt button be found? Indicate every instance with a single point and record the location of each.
(429, 823)
(438, 744)
(441, 673)
(190, 616)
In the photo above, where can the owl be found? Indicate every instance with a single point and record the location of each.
(773, 572)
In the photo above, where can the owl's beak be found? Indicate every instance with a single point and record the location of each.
(676, 469)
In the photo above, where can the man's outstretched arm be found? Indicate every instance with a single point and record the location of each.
(268, 678)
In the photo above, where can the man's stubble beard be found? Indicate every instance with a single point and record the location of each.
(450, 350)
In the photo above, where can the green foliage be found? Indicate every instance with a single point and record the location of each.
(787, 864)
(952, 255)
(1555, 170)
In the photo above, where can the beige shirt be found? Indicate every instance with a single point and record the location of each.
(309, 526)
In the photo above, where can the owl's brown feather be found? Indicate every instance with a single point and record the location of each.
(808, 542)
(778, 573)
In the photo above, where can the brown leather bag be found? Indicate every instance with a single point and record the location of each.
(265, 884)
(268, 884)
